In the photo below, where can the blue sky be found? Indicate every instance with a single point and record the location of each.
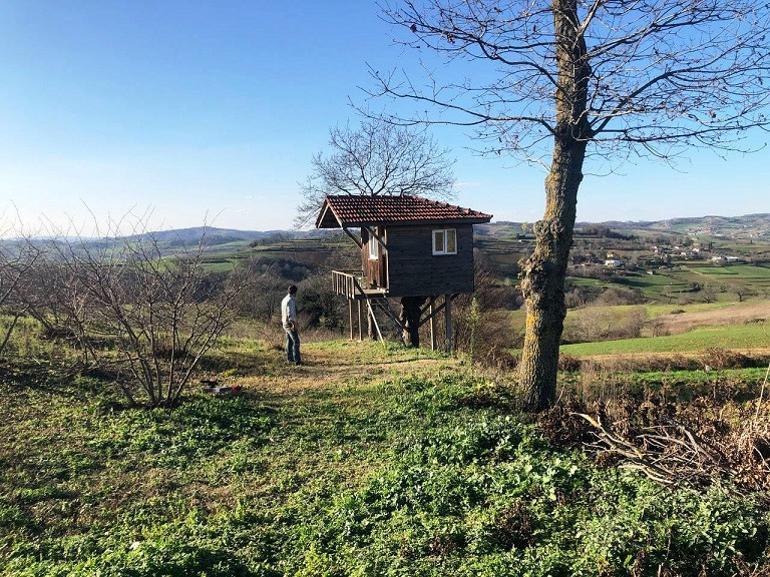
(213, 110)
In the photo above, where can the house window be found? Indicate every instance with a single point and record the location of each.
(445, 241)
(374, 249)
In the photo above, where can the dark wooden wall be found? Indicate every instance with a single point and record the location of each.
(413, 270)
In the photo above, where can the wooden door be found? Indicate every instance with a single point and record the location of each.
(375, 261)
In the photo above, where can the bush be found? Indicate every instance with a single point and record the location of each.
(719, 358)
(569, 363)
(613, 296)
(601, 324)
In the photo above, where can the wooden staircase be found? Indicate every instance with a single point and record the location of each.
(350, 285)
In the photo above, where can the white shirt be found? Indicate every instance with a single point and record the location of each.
(288, 311)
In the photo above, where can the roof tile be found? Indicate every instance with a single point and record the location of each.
(353, 210)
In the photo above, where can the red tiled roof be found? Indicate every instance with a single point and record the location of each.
(353, 210)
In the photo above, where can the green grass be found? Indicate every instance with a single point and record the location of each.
(742, 271)
(371, 461)
(669, 285)
(753, 336)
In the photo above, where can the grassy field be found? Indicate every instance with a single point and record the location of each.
(369, 461)
(667, 286)
(743, 337)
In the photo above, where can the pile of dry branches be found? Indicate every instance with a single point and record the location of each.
(695, 443)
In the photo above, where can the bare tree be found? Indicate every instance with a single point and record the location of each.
(741, 291)
(377, 158)
(156, 314)
(578, 78)
(17, 259)
(53, 294)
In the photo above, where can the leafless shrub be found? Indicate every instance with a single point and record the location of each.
(485, 331)
(613, 296)
(601, 324)
(658, 328)
(263, 287)
(719, 358)
(159, 314)
(17, 259)
(569, 363)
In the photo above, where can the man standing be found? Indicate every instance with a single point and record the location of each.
(289, 320)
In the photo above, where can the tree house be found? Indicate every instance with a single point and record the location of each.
(412, 248)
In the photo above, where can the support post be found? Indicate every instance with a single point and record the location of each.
(448, 323)
(360, 322)
(433, 343)
(409, 320)
(371, 322)
(350, 316)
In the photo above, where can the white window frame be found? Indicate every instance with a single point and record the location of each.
(442, 250)
(374, 248)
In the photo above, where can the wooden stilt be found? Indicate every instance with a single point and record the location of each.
(373, 320)
(433, 343)
(350, 317)
(448, 323)
(360, 322)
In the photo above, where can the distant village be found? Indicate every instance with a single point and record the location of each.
(663, 256)
(601, 247)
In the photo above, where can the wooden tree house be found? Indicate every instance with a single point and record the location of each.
(412, 248)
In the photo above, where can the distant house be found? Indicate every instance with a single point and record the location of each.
(726, 258)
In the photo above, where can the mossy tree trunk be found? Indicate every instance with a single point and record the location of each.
(545, 271)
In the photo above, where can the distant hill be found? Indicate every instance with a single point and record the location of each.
(755, 226)
(750, 226)
(214, 236)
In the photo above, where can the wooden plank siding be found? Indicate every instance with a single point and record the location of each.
(413, 270)
(375, 271)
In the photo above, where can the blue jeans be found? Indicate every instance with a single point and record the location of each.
(292, 347)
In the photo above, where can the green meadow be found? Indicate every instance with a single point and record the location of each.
(370, 460)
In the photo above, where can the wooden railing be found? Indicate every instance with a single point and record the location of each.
(347, 283)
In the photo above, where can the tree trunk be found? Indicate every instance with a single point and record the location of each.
(410, 319)
(545, 270)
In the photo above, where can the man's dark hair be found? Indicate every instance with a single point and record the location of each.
(292, 289)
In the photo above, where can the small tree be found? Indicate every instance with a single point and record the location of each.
(558, 81)
(741, 291)
(17, 259)
(709, 294)
(160, 314)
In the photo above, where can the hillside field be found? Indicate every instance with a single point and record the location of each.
(737, 337)
(370, 460)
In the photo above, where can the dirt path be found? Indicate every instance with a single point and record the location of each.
(341, 363)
